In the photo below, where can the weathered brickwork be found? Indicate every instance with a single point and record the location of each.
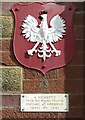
(7, 26)
(32, 74)
(8, 59)
(17, 79)
(11, 79)
(10, 101)
(7, 45)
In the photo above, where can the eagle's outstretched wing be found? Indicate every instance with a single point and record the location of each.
(57, 29)
(30, 29)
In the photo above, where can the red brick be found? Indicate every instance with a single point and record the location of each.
(44, 86)
(84, 111)
(9, 59)
(6, 6)
(61, 116)
(0, 45)
(7, 45)
(75, 112)
(73, 72)
(79, 18)
(78, 59)
(84, 31)
(52, 74)
(73, 86)
(76, 100)
(0, 114)
(79, 6)
(0, 59)
(84, 94)
(56, 86)
(10, 100)
(83, 72)
(84, 58)
(32, 74)
(61, 73)
(79, 30)
(31, 86)
(84, 46)
(79, 45)
(15, 114)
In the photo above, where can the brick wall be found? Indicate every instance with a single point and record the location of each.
(17, 79)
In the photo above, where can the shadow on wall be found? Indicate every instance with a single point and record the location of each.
(74, 72)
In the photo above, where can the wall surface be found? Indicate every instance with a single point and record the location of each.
(17, 79)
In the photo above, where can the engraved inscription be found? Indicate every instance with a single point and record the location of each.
(44, 103)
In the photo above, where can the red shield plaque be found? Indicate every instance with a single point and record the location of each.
(44, 35)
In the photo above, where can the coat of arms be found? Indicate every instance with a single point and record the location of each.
(43, 37)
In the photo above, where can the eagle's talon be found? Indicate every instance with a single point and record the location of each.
(30, 52)
(58, 52)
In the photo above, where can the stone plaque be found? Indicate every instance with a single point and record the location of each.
(44, 102)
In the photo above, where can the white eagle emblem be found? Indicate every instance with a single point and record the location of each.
(43, 34)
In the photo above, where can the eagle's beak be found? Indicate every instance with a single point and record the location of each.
(40, 17)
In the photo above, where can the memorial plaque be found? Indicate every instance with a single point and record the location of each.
(44, 102)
